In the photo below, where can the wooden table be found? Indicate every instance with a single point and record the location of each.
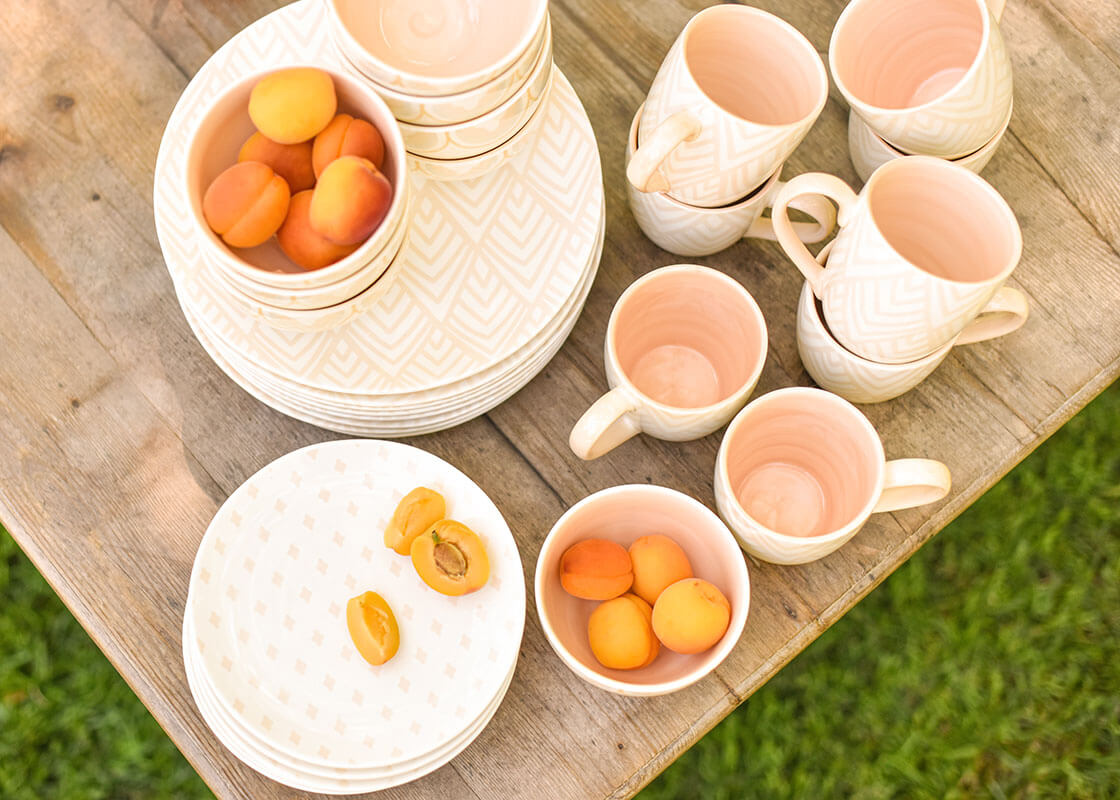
(119, 438)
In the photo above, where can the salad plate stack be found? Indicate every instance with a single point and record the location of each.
(266, 650)
(490, 280)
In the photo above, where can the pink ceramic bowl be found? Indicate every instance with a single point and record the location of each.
(214, 145)
(623, 514)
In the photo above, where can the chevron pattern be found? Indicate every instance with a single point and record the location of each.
(962, 121)
(846, 374)
(730, 157)
(688, 231)
(881, 307)
(490, 261)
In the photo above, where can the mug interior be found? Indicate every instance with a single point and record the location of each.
(943, 219)
(803, 462)
(896, 54)
(686, 338)
(439, 38)
(753, 65)
(224, 129)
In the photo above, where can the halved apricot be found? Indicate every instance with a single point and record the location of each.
(451, 558)
(373, 627)
(620, 632)
(416, 513)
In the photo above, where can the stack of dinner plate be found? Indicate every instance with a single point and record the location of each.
(266, 647)
(489, 283)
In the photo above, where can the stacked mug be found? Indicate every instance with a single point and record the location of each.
(738, 91)
(922, 78)
(464, 81)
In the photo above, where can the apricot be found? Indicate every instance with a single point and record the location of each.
(293, 105)
(373, 627)
(416, 513)
(302, 244)
(451, 558)
(620, 632)
(351, 198)
(347, 136)
(658, 561)
(596, 569)
(246, 204)
(292, 162)
(690, 616)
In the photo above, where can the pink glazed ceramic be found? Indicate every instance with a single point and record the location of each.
(800, 471)
(929, 76)
(623, 514)
(685, 348)
(734, 97)
(920, 251)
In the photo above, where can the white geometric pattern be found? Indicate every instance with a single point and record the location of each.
(731, 156)
(960, 122)
(490, 261)
(268, 594)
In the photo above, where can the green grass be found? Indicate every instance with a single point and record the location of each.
(988, 665)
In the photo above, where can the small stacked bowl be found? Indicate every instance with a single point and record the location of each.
(264, 281)
(464, 81)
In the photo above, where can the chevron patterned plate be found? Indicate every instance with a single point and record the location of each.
(491, 261)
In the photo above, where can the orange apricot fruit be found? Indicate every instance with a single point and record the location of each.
(658, 562)
(347, 136)
(690, 616)
(246, 204)
(596, 569)
(620, 633)
(416, 513)
(293, 105)
(451, 558)
(292, 162)
(301, 243)
(350, 200)
(373, 627)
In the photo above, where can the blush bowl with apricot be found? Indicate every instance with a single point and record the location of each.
(264, 274)
(623, 515)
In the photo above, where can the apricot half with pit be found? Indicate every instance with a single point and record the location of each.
(620, 632)
(658, 562)
(373, 627)
(596, 569)
(690, 616)
(451, 558)
(416, 513)
(246, 204)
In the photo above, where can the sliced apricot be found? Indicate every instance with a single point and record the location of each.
(596, 569)
(246, 204)
(347, 136)
(293, 105)
(620, 632)
(301, 243)
(416, 513)
(658, 562)
(292, 162)
(350, 200)
(451, 558)
(690, 616)
(373, 627)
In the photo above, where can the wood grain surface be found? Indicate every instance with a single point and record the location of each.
(119, 438)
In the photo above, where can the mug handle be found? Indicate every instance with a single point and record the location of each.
(608, 423)
(644, 170)
(910, 482)
(818, 183)
(822, 212)
(1005, 312)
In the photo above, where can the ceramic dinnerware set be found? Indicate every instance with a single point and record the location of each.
(265, 643)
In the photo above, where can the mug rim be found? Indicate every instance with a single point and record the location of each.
(798, 36)
(708, 273)
(964, 174)
(722, 648)
(723, 475)
(986, 33)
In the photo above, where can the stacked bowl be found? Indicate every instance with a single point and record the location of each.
(464, 81)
